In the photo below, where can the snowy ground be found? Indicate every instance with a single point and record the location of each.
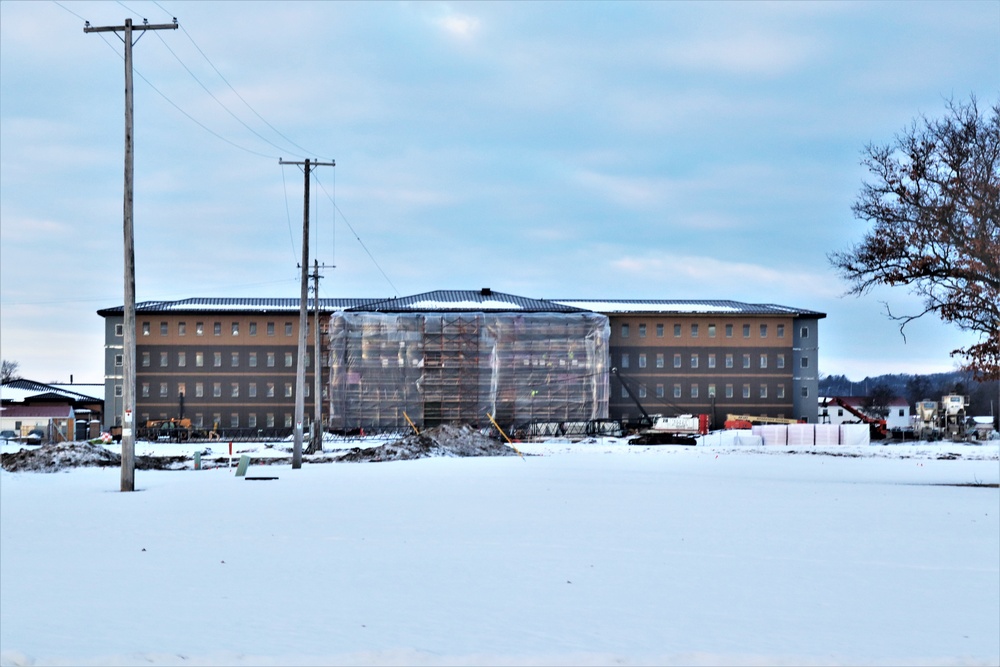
(590, 553)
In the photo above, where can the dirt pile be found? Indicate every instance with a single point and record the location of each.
(64, 455)
(445, 440)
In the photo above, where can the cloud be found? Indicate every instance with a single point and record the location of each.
(463, 27)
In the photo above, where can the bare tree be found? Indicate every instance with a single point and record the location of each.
(934, 201)
(9, 371)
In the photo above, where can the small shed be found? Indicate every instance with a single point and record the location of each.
(57, 421)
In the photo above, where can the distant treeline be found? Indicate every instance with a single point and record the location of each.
(983, 396)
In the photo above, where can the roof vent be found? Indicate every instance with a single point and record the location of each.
(486, 291)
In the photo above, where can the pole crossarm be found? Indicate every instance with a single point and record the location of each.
(118, 28)
(331, 163)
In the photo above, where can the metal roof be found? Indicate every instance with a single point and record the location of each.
(687, 307)
(468, 301)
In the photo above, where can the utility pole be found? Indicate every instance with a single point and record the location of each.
(128, 352)
(300, 366)
(316, 435)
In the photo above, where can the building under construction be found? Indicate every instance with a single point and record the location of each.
(463, 357)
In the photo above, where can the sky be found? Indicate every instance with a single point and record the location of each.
(592, 150)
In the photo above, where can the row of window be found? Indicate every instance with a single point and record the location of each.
(729, 329)
(232, 389)
(695, 390)
(198, 421)
(695, 360)
(270, 359)
(199, 328)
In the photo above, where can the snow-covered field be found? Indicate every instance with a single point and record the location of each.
(590, 553)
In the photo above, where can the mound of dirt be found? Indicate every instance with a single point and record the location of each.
(63, 455)
(445, 440)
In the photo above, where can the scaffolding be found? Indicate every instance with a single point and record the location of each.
(457, 367)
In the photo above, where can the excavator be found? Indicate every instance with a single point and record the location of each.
(878, 428)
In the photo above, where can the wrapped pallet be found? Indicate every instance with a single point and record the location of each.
(801, 435)
(855, 434)
(827, 434)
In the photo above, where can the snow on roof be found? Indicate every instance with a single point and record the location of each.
(463, 305)
(650, 307)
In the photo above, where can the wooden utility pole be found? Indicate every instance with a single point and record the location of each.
(300, 366)
(128, 352)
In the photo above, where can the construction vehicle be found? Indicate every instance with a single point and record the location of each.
(660, 430)
(746, 421)
(878, 428)
(173, 430)
(926, 421)
(953, 415)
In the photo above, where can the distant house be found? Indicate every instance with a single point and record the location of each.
(900, 414)
(62, 412)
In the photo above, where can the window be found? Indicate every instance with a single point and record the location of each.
(145, 390)
(119, 330)
(746, 330)
(763, 361)
(181, 389)
(234, 359)
(694, 361)
(234, 389)
(804, 332)
(711, 391)
(677, 331)
(270, 330)
(694, 331)
(163, 390)
(164, 328)
(288, 328)
(270, 359)
(199, 359)
(217, 389)
(270, 390)
(216, 419)
(805, 362)
(763, 391)
(252, 359)
(624, 330)
(252, 418)
(217, 328)
(642, 391)
(711, 361)
(253, 328)
(163, 359)
(677, 391)
(307, 387)
(288, 420)
(840, 412)
(252, 390)
(805, 392)
(694, 391)
(781, 391)
(659, 331)
(182, 359)
(746, 391)
(199, 420)
(677, 360)
(711, 331)
(729, 361)
(642, 331)
(120, 360)
(217, 359)
(659, 360)
(234, 419)
(199, 328)
(746, 361)
(781, 361)
(642, 361)
(729, 391)
(199, 389)
(763, 331)
(901, 412)
(182, 328)
(624, 392)
(270, 420)
(659, 391)
(235, 329)
(288, 390)
(145, 359)
(781, 330)
(145, 328)
(306, 358)
(729, 331)
(624, 360)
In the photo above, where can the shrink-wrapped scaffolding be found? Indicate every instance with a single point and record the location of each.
(457, 367)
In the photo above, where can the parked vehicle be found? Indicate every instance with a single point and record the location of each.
(7, 436)
(35, 436)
